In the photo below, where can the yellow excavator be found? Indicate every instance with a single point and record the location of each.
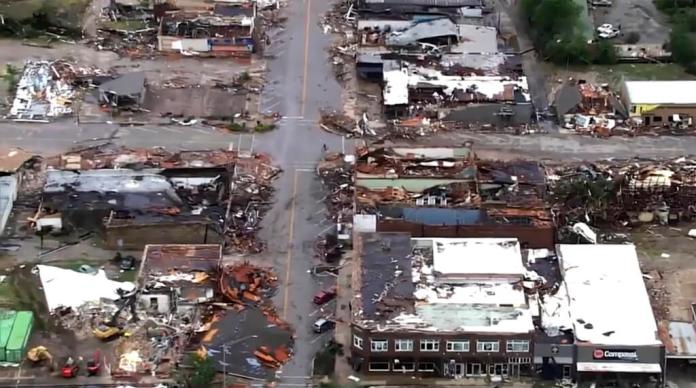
(111, 328)
(39, 354)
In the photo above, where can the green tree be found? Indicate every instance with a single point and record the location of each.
(568, 49)
(604, 53)
(200, 374)
(683, 46)
(553, 17)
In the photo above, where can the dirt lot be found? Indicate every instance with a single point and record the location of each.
(670, 252)
(191, 70)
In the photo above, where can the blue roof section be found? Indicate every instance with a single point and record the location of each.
(436, 216)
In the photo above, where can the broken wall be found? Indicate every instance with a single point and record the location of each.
(135, 237)
(535, 237)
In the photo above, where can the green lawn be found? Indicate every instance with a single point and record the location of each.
(614, 74)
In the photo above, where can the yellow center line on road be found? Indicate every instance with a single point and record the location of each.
(291, 236)
(306, 57)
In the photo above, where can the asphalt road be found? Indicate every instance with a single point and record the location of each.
(300, 82)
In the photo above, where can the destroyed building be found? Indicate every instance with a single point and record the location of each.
(440, 307)
(589, 108)
(174, 282)
(445, 192)
(497, 101)
(454, 7)
(442, 62)
(127, 90)
(135, 197)
(630, 192)
(14, 166)
(44, 91)
(226, 30)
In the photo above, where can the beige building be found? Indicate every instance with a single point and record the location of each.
(659, 103)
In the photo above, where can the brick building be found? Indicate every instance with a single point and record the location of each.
(447, 307)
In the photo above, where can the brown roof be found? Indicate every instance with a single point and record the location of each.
(11, 159)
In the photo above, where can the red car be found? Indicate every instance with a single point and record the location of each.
(324, 296)
(94, 364)
(70, 368)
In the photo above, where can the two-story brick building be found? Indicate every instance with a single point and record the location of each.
(440, 307)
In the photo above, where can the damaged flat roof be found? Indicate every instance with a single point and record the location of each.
(493, 88)
(475, 256)
(126, 181)
(126, 85)
(400, 290)
(609, 304)
(422, 30)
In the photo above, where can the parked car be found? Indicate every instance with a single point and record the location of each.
(601, 3)
(606, 27)
(608, 31)
(69, 368)
(609, 35)
(322, 325)
(324, 296)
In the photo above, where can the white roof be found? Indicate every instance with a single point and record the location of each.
(608, 301)
(68, 288)
(477, 256)
(661, 92)
(555, 312)
(480, 293)
(395, 87)
(476, 39)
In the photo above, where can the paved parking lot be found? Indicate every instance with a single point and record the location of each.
(634, 16)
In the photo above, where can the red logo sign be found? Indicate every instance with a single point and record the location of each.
(598, 354)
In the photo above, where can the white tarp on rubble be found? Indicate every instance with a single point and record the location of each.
(68, 288)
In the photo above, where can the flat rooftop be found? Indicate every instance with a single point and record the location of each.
(609, 304)
(401, 290)
(661, 92)
(466, 257)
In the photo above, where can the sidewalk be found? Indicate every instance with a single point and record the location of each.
(343, 368)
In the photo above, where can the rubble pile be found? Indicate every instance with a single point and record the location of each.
(47, 89)
(339, 124)
(219, 189)
(659, 296)
(250, 197)
(128, 30)
(336, 173)
(247, 284)
(628, 192)
(340, 22)
(596, 110)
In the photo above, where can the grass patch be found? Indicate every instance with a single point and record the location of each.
(264, 127)
(245, 128)
(614, 74)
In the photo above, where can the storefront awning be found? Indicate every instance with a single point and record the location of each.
(627, 367)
